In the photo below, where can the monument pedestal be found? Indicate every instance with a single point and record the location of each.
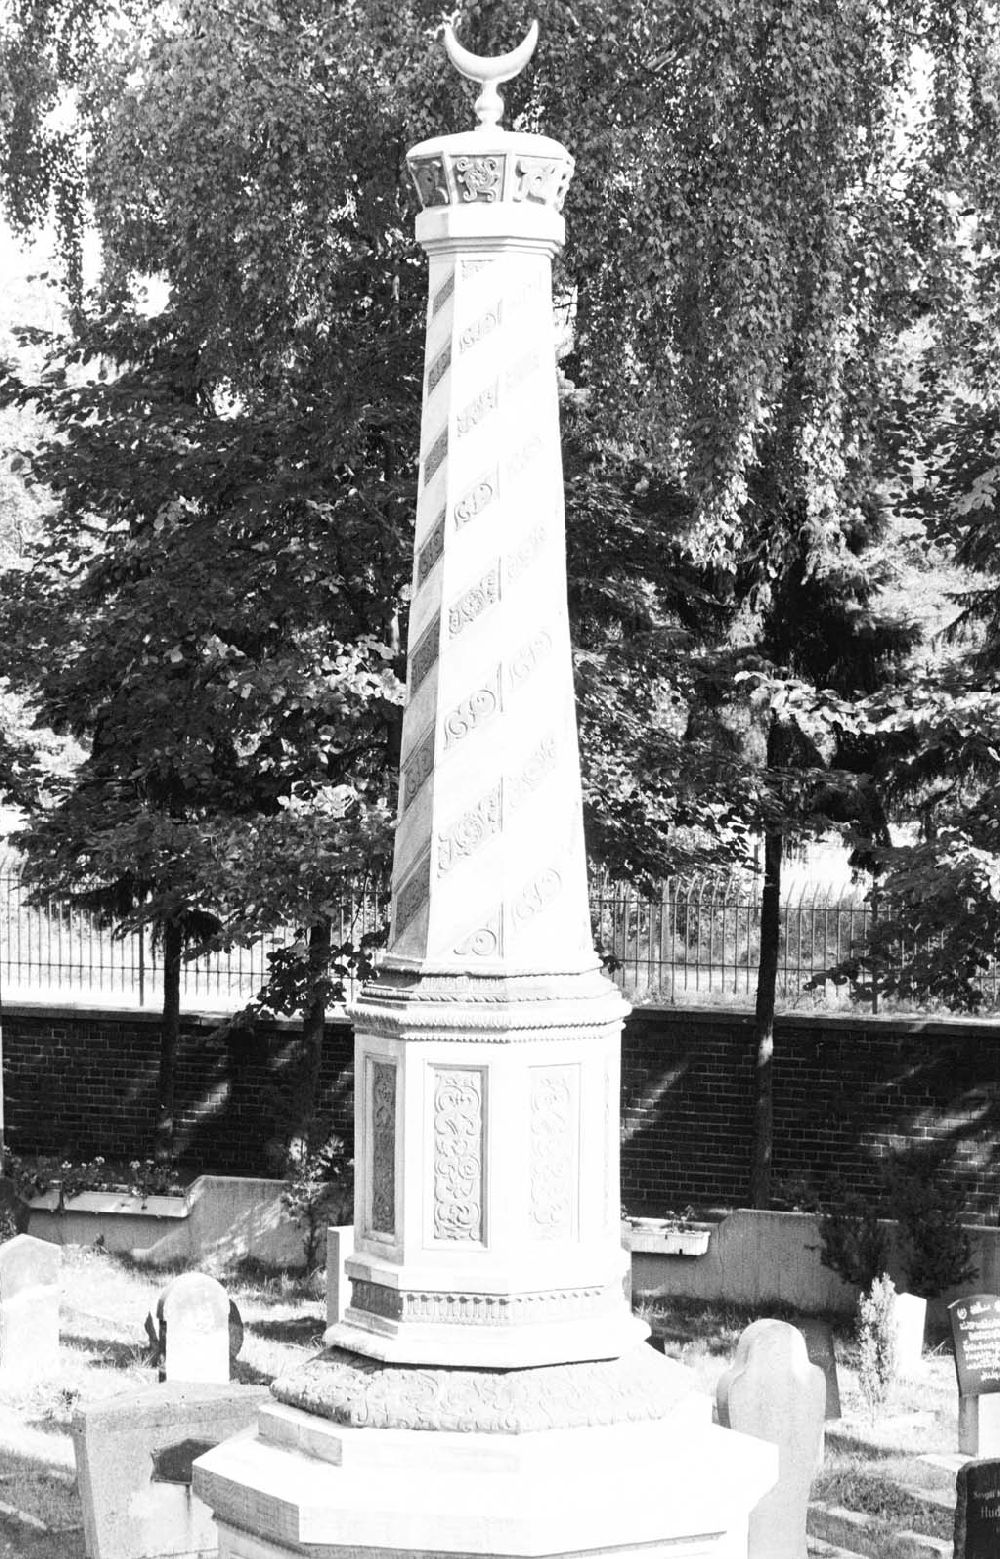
(611, 1457)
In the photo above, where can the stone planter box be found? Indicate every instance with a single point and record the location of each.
(666, 1237)
(224, 1217)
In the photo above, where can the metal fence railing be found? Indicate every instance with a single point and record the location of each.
(692, 941)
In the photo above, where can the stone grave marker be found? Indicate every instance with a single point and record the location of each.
(772, 1391)
(134, 1454)
(29, 1309)
(15, 1214)
(819, 1346)
(977, 1510)
(192, 1316)
(339, 1247)
(975, 1326)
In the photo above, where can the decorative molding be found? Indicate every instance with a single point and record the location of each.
(554, 1131)
(473, 502)
(376, 1299)
(486, 941)
(484, 403)
(436, 456)
(443, 293)
(438, 369)
(458, 1155)
(360, 1392)
(417, 768)
(473, 267)
(541, 763)
(429, 179)
(474, 711)
(522, 458)
(431, 549)
(480, 823)
(412, 895)
(474, 602)
(612, 1193)
(525, 555)
(382, 1212)
(521, 370)
(480, 178)
(528, 657)
(435, 1306)
(536, 896)
(424, 654)
(483, 326)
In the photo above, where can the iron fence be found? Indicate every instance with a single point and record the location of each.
(693, 941)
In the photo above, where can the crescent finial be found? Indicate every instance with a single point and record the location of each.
(489, 71)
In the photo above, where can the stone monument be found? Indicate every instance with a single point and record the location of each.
(487, 1301)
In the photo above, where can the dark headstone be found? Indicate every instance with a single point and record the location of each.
(975, 1326)
(819, 1346)
(977, 1510)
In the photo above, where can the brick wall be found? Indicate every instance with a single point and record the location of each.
(80, 1082)
(846, 1091)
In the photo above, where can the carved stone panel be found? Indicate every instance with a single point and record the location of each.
(554, 1151)
(518, 787)
(483, 325)
(485, 941)
(382, 1094)
(412, 896)
(431, 549)
(476, 499)
(474, 601)
(470, 417)
(528, 657)
(424, 654)
(473, 712)
(443, 293)
(458, 1153)
(429, 177)
(438, 369)
(479, 178)
(435, 456)
(525, 555)
(473, 828)
(418, 768)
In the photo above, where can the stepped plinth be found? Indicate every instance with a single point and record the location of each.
(489, 1390)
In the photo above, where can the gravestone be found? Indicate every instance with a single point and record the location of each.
(977, 1510)
(192, 1316)
(772, 1391)
(134, 1455)
(29, 1309)
(819, 1346)
(15, 1214)
(339, 1246)
(975, 1326)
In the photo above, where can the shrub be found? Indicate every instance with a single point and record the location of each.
(928, 1207)
(319, 1186)
(877, 1338)
(855, 1245)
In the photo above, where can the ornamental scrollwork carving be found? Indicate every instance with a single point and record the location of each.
(476, 499)
(418, 768)
(474, 602)
(528, 657)
(458, 1154)
(542, 762)
(543, 180)
(412, 896)
(523, 457)
(480, 178)
(484, 403)
(438, 369)
(435, 456)
(443, 293)
(552, 1153)
(480, 823)
(425, 653)
(525, 554)
(472, 713)
(483, 326)
(431, 550)
(382, 1214)
(429, 179)
(485, 941)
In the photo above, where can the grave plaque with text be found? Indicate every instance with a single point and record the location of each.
(977, 1510)
(975, 1325)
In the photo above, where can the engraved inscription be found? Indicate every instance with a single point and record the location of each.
(525, 455)
(476, 499)
(525, 554)
(520, 370)
(443, 293)
(425, 653)
(473, 712)
(487, 322)
(429, 178)
(484, 403)
(541, 763)
(538, 894)
(474, 602)
(435, 456)
(458, 1154)
(552, 1155)
(438, 369)
(418, 769)
(480, 177)
(382, 1213)
(477, 825)
(431, 550)
(412, 896)
(528, 656)
(486, 941)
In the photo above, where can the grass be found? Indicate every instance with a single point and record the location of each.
(104, 1351)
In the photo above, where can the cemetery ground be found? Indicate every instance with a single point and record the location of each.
(874, 1472)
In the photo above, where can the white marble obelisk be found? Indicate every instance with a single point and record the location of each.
(488, 1391)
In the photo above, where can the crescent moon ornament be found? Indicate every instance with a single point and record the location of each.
(489, 71)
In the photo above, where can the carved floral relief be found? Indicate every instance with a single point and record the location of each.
(458, 1154)
(480, 823)
(479, 178)
(553, 1150)
(474, 602)
(383, 1157)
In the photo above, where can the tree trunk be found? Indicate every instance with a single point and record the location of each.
(313, 1027)
(763, 1032)
(173, 947)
